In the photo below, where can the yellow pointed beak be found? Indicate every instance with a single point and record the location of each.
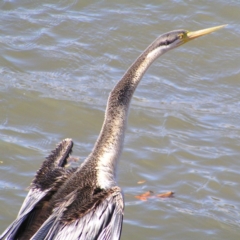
(199, 33)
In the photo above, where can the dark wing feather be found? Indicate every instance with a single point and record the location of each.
(103, 222)
(33, 197)
(46, 180)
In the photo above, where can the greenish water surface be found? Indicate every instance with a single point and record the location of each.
(60, 59)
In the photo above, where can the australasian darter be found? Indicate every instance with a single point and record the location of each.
(85, 202)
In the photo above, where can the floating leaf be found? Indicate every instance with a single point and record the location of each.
(166, 194)
(149, 194)
(73, 159)
(141, 181)
(144, 196)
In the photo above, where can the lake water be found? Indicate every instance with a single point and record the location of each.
(59, 61)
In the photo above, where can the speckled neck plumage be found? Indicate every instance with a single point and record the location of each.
(109, 144)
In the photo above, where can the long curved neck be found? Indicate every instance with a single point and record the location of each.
(109, 144)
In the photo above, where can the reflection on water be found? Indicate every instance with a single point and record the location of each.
(59, 62)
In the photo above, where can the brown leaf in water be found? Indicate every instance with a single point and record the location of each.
(166, 194)
(144, 196)
(141, 181)
(70, 160)
(73, 159)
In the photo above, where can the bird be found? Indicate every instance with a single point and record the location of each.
(85, 202)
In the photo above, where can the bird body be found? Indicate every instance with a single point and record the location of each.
(85, 202)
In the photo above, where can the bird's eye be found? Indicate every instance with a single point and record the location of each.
(181, 35)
